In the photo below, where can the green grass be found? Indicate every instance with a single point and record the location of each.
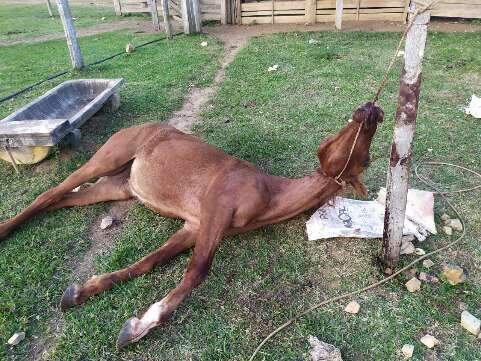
(23, 22)
(35, 261)
(262, 278)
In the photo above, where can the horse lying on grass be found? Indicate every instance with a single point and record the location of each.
(179, 175)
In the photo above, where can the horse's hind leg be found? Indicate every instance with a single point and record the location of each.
(109, 188)
(119, 150)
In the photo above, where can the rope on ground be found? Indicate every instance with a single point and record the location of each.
(443, 194)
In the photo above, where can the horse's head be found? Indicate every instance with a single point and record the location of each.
(334, 152)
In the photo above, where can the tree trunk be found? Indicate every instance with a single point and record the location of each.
(401, 147)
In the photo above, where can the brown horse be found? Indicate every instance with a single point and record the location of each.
(179, 175)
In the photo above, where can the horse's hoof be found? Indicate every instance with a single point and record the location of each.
(132, 331)
(69, 297)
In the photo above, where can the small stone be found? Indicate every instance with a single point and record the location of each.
(420, 252)
(273, 68)
(16, 338)
(455, 224)
(470, 323)
(352, 307)
(129, 48)
(413, 285)
(313, 41)
(412, 272)
(106, 222)
(448, 230)
(103, 18)
(428, 278)
(322, 351)
(407, 248)
(408, 350)
(203, 44)
(445, 217)
(428, 263)
(429, 341)
(453, 274)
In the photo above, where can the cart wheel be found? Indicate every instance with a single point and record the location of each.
(26, 155)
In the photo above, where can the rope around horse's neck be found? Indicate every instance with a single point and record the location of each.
(393, 59)
(424, 180)
(336, 178)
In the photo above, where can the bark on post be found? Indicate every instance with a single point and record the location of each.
(166, 16)
(71, 35)
(401, 147)
(118, 8)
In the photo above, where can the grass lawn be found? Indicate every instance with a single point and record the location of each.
(261, 278)
(19, 22)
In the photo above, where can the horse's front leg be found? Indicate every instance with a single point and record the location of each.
(211, 231)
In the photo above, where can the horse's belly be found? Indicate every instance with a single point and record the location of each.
(156, 187)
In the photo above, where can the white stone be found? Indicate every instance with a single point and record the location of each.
(408, 350)
(313, 41)
(448, 230)
(204, 43)
(428, 263)
(429, 341)
(413, 285)
(129, 48)
(470, 323)
(16, 338)
(106, 222)
(428, 278)
(273, 68)
(445, 217)
(352, 307)
(455, 224)
(420, 252)
(407, 248)
(322, 351)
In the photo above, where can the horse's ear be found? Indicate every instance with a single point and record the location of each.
(358, 186)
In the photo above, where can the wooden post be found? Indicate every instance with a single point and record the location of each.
(223, 12)
(166, 16)
(238, 7)
(339, 11)
(155, 15)
(191, 16)
(272, 9)
(49, 7)
(197, 15)
(311, 8)
(401, 147)
(358, 9)
(117, 8)
(73, 47)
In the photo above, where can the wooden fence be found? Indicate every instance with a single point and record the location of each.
(305, 11)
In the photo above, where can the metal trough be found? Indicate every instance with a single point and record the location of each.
(49, 118)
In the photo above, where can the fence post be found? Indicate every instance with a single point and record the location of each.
(166, 16)
(155, 15)
(49, 7)
(339, 11)
(311, 7)
(117, 8)
(70, 34)
(191, 16)
(401, 146)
